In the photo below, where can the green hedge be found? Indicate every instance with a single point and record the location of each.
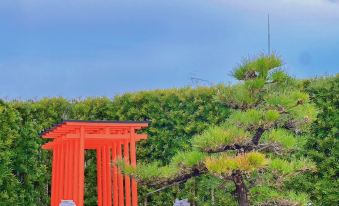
(323, 145)
(176, 115)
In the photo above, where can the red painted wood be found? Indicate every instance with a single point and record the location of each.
(66, 173)
(54, 167)
(109, 179)
(127, 178)
(104, 175)
(71, 139)
(81, 166)
(58, 176)
(76, 171)
(71, 169)
(62, 172)
(120, 177)
(99, 175)
(133, 163)
(115, 176)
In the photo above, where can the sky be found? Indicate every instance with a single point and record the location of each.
(81, 48)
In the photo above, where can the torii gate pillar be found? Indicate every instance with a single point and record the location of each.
(112, 141)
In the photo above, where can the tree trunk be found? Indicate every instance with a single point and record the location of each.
(194, 192)
(240, 189)
(258, 135)
(212, 196)
(145, 201)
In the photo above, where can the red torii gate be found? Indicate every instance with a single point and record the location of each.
(112, 140)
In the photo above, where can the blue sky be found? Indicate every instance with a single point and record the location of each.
(80, 48)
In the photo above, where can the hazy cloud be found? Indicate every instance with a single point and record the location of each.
(308, 9)
(103, 47)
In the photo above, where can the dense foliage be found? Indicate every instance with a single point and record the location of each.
(176, 115)
(257, 147)
(322, 147)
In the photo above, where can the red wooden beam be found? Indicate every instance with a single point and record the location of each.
(93, 140)
(99, 136)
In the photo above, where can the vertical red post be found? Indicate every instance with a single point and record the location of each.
(66, 177)
(71, 169)
(109, 180)
(115, 176)
(99, 175)
(120, 177)
(81, 166)
(127, 178)
(134, 163)
(54, 175)
(104, 175)
(62, 172)
(109, 166)
(58, 175)
(76, 172)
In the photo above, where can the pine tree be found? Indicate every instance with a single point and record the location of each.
(257, 147)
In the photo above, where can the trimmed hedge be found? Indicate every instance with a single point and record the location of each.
(323, 145)
(176, 115)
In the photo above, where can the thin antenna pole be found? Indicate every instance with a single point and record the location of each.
(268, 34)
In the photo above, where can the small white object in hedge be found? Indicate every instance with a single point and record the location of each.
(181, 203)
(67, 203)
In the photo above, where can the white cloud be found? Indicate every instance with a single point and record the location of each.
(308, 9)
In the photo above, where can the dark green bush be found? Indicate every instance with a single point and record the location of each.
(175, 115)
(323, 145)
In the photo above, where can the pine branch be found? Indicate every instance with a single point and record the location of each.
(257, 135)
(245, 148)
(193, 172)
(271, 147)
(165, 187)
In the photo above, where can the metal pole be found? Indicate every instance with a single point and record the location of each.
(268, 34)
